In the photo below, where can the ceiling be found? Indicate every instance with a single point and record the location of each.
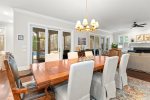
(6, 15)
(113, 15)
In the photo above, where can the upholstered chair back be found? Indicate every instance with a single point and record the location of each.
(88, 53)
(108, 78)
(72, 55)
(123, 67)
(80, 78)
(14, 69)
(51, 57)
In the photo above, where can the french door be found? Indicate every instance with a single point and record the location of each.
(102, 41)
(66, 44)
(38, 45)
(95, 43)
(53, 41)
(46, 40)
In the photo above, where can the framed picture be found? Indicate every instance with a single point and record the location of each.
(139, 38)
(20, 37)
(146, 37)
(81, 41)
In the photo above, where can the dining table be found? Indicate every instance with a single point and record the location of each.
(56, 72)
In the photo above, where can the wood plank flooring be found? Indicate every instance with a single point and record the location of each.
(5, 92)
(140, 75)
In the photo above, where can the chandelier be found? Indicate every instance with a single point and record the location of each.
(85, 26)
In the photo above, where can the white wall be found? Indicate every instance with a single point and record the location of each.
(87, 36)
(131, 33)
(22, 21)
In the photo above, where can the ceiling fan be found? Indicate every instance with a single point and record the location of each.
(138, 25)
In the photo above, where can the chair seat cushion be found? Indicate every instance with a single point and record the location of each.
(61, 92)
(34, 95)
(30, 85)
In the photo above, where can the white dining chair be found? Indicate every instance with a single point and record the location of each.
(103, 84)
(78, 87)
(88, 53)
(121, 74)
(51, 57)
(72, 55)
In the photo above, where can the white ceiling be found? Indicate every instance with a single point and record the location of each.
(6, 15)
(113, 15)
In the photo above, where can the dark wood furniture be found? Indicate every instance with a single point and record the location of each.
(114, 52)
(55, 72)
(14, 68)
(30, 92)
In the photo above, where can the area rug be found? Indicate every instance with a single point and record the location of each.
(137, 90)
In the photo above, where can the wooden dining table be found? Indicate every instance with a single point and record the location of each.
(55, 72)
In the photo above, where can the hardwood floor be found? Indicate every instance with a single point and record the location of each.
(140, 75)
(5, 92)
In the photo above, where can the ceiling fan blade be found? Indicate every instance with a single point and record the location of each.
(140, 26)
(143, 24)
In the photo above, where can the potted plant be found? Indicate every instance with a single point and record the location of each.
(114, 45)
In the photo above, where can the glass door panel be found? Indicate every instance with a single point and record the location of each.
(52, 41)
(91, 42)
(107, 43)
(102, 44)
(97, 45)
(38, 45)
(67, 44)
